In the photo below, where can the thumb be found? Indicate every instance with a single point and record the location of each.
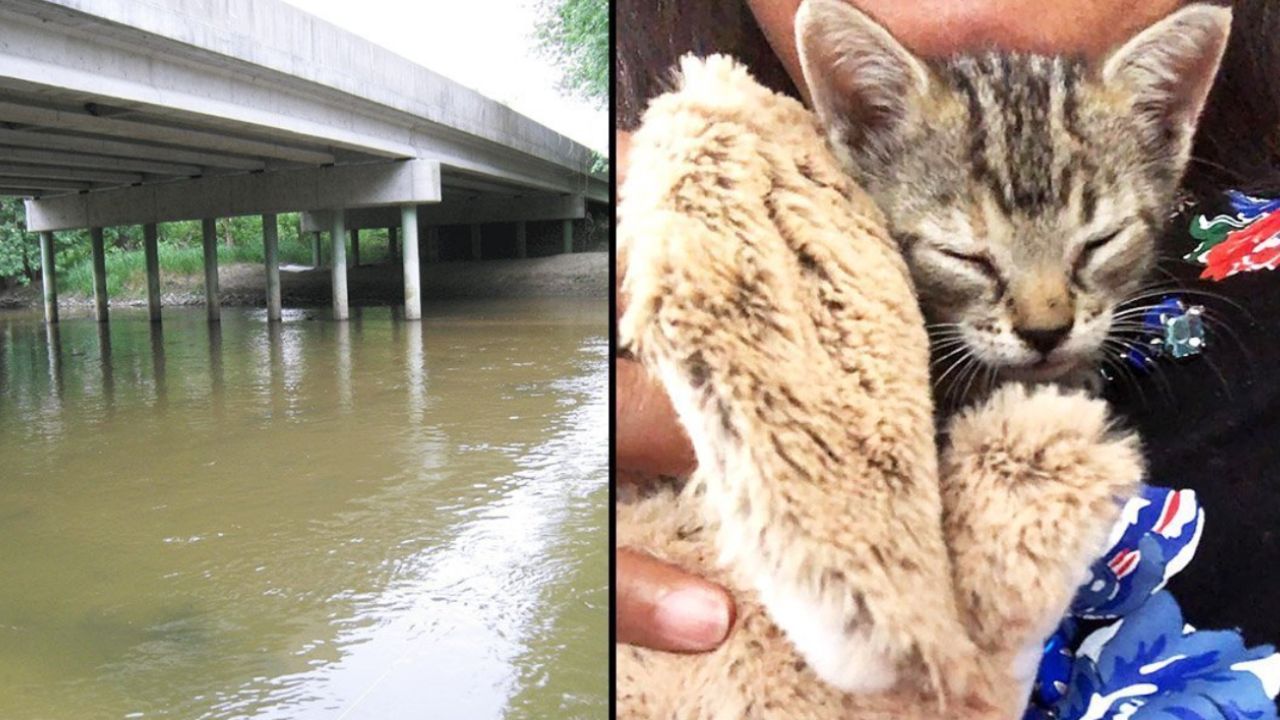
(661, 607)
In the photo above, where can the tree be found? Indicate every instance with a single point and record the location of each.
(576, 34)
(18, 254)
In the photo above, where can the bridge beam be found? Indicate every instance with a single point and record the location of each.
(457, 212)
(44, 184)
(45, 172)
(125, 148)
(99, 162)
(356, 186)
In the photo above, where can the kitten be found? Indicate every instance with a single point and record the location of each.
(1026, 191)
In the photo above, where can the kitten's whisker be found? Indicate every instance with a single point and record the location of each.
(1226, 389)
(960, 361)
(1131, 332)
(977, 370)
(1217, 324)
(1126, 373)
(1220, 298)
(950, 354)
(1150, 293)
(1171, 276)
(970, 368)
(938, 347)
(964, 363)
(1133, 382)
(1131, 312)
(1235, 174)
(1156, 371)
(1129, 301)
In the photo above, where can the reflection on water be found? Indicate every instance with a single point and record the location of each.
(374, 519)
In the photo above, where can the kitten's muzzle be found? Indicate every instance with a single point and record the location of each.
(1043, 340)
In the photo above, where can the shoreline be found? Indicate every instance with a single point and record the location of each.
(584, 274)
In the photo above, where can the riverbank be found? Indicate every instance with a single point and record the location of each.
(244, 284)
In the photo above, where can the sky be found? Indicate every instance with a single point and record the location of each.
(486, 45)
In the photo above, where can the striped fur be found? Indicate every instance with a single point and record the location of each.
(1026, 191)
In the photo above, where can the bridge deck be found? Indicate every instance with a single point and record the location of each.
(119, 112)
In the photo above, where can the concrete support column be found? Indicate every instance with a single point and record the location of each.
(53, 338)
(48, 277)
(210, 232)
(522, 244)
(568, 235)
(475, 241)
(412, 274)
(271, 255)
(151, 249)
(338, 264)
(99, 274)
(355, 247)
(392, 250)
(315, 249)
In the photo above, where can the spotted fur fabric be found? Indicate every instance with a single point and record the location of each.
(874, 579)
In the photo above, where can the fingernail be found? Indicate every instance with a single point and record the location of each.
(694, 618)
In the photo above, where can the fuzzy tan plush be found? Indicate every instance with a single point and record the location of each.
(875, 577)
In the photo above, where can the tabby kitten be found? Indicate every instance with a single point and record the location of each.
(1027, 191)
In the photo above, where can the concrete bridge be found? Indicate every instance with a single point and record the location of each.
(137, 112)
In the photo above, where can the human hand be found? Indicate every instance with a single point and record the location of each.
(649, 437)
(661, 607)
(658, 605)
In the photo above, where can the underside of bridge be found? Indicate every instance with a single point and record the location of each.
(140, 113)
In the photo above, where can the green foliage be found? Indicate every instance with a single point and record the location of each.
(181, 250)
(127, 269)
(575, 33)
(19, 251)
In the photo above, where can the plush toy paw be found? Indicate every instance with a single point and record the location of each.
(1033, 481)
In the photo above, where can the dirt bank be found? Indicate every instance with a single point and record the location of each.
(576, 275)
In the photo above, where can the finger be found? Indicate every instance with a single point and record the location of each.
(649, 437)
(664, 608)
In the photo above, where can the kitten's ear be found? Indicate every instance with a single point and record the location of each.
(861, 80)
(1171, 65)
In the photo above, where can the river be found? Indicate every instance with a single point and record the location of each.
(311, 520)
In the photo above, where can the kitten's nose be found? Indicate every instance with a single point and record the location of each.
(1044, 340)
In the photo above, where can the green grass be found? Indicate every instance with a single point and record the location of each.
(127, 269)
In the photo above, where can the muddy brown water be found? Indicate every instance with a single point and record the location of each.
(376, 519)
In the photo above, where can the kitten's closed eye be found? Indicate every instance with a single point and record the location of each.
(1088, 251)
(983, 264)
(978, 261)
